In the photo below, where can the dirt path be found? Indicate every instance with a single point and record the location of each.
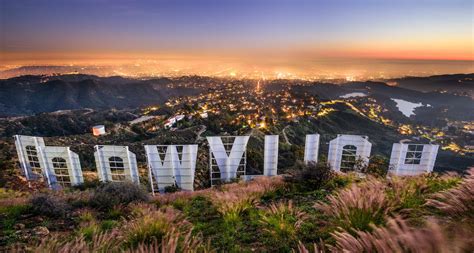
(284, 135)
(201, 131)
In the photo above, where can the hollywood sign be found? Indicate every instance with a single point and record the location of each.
(175, 165)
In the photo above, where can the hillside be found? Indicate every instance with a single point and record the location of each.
(28, 95)
(310, 209)
(289, 108)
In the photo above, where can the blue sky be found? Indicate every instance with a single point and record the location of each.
(372, 28)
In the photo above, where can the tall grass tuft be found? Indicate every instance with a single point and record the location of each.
(314, 249)
(398, 236)
(150, 230)
(410, 193)
(173, 242)
(151, 225)
(457, 202)
(100, 243)
(283, 220)
(358, 206)
(234, 199)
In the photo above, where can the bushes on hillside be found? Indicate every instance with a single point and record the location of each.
(49, 205)
(378, 166)
(311, 174)
(353, 214)
(111, 194)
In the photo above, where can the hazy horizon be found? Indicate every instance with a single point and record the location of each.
(302, 38)
(349, 69)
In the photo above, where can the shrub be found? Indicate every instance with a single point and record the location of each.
(341, 181)
(49, 205)
(112, 194)
(359, 206)
(171, 189)
(312, 175)
(88, 184)
(378, 166)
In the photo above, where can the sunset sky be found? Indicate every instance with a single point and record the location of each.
(243, 30)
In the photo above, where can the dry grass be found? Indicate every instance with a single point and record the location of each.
(169, 198)
(362, 214)
(358, 206)
(150, 224)
(104, 242)
(315, 248)
(457, 202)
(173, 242)
(283, 220)
(4, 202)
(233, 199)
(150, 230)
(398, 236)
(409, 193)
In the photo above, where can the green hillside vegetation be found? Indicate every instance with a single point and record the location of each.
(309, 209)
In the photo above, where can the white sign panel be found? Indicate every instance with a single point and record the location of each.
(62, 167)
(346, 150)
(311, 148)
(172, 165)
(116, 164)
(270, 157)
(27, 148)
(412, 159)
(228, 158)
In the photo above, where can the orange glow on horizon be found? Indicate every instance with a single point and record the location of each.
(358, 62)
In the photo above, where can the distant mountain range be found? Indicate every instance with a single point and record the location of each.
(462, 84)
(28, 95)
